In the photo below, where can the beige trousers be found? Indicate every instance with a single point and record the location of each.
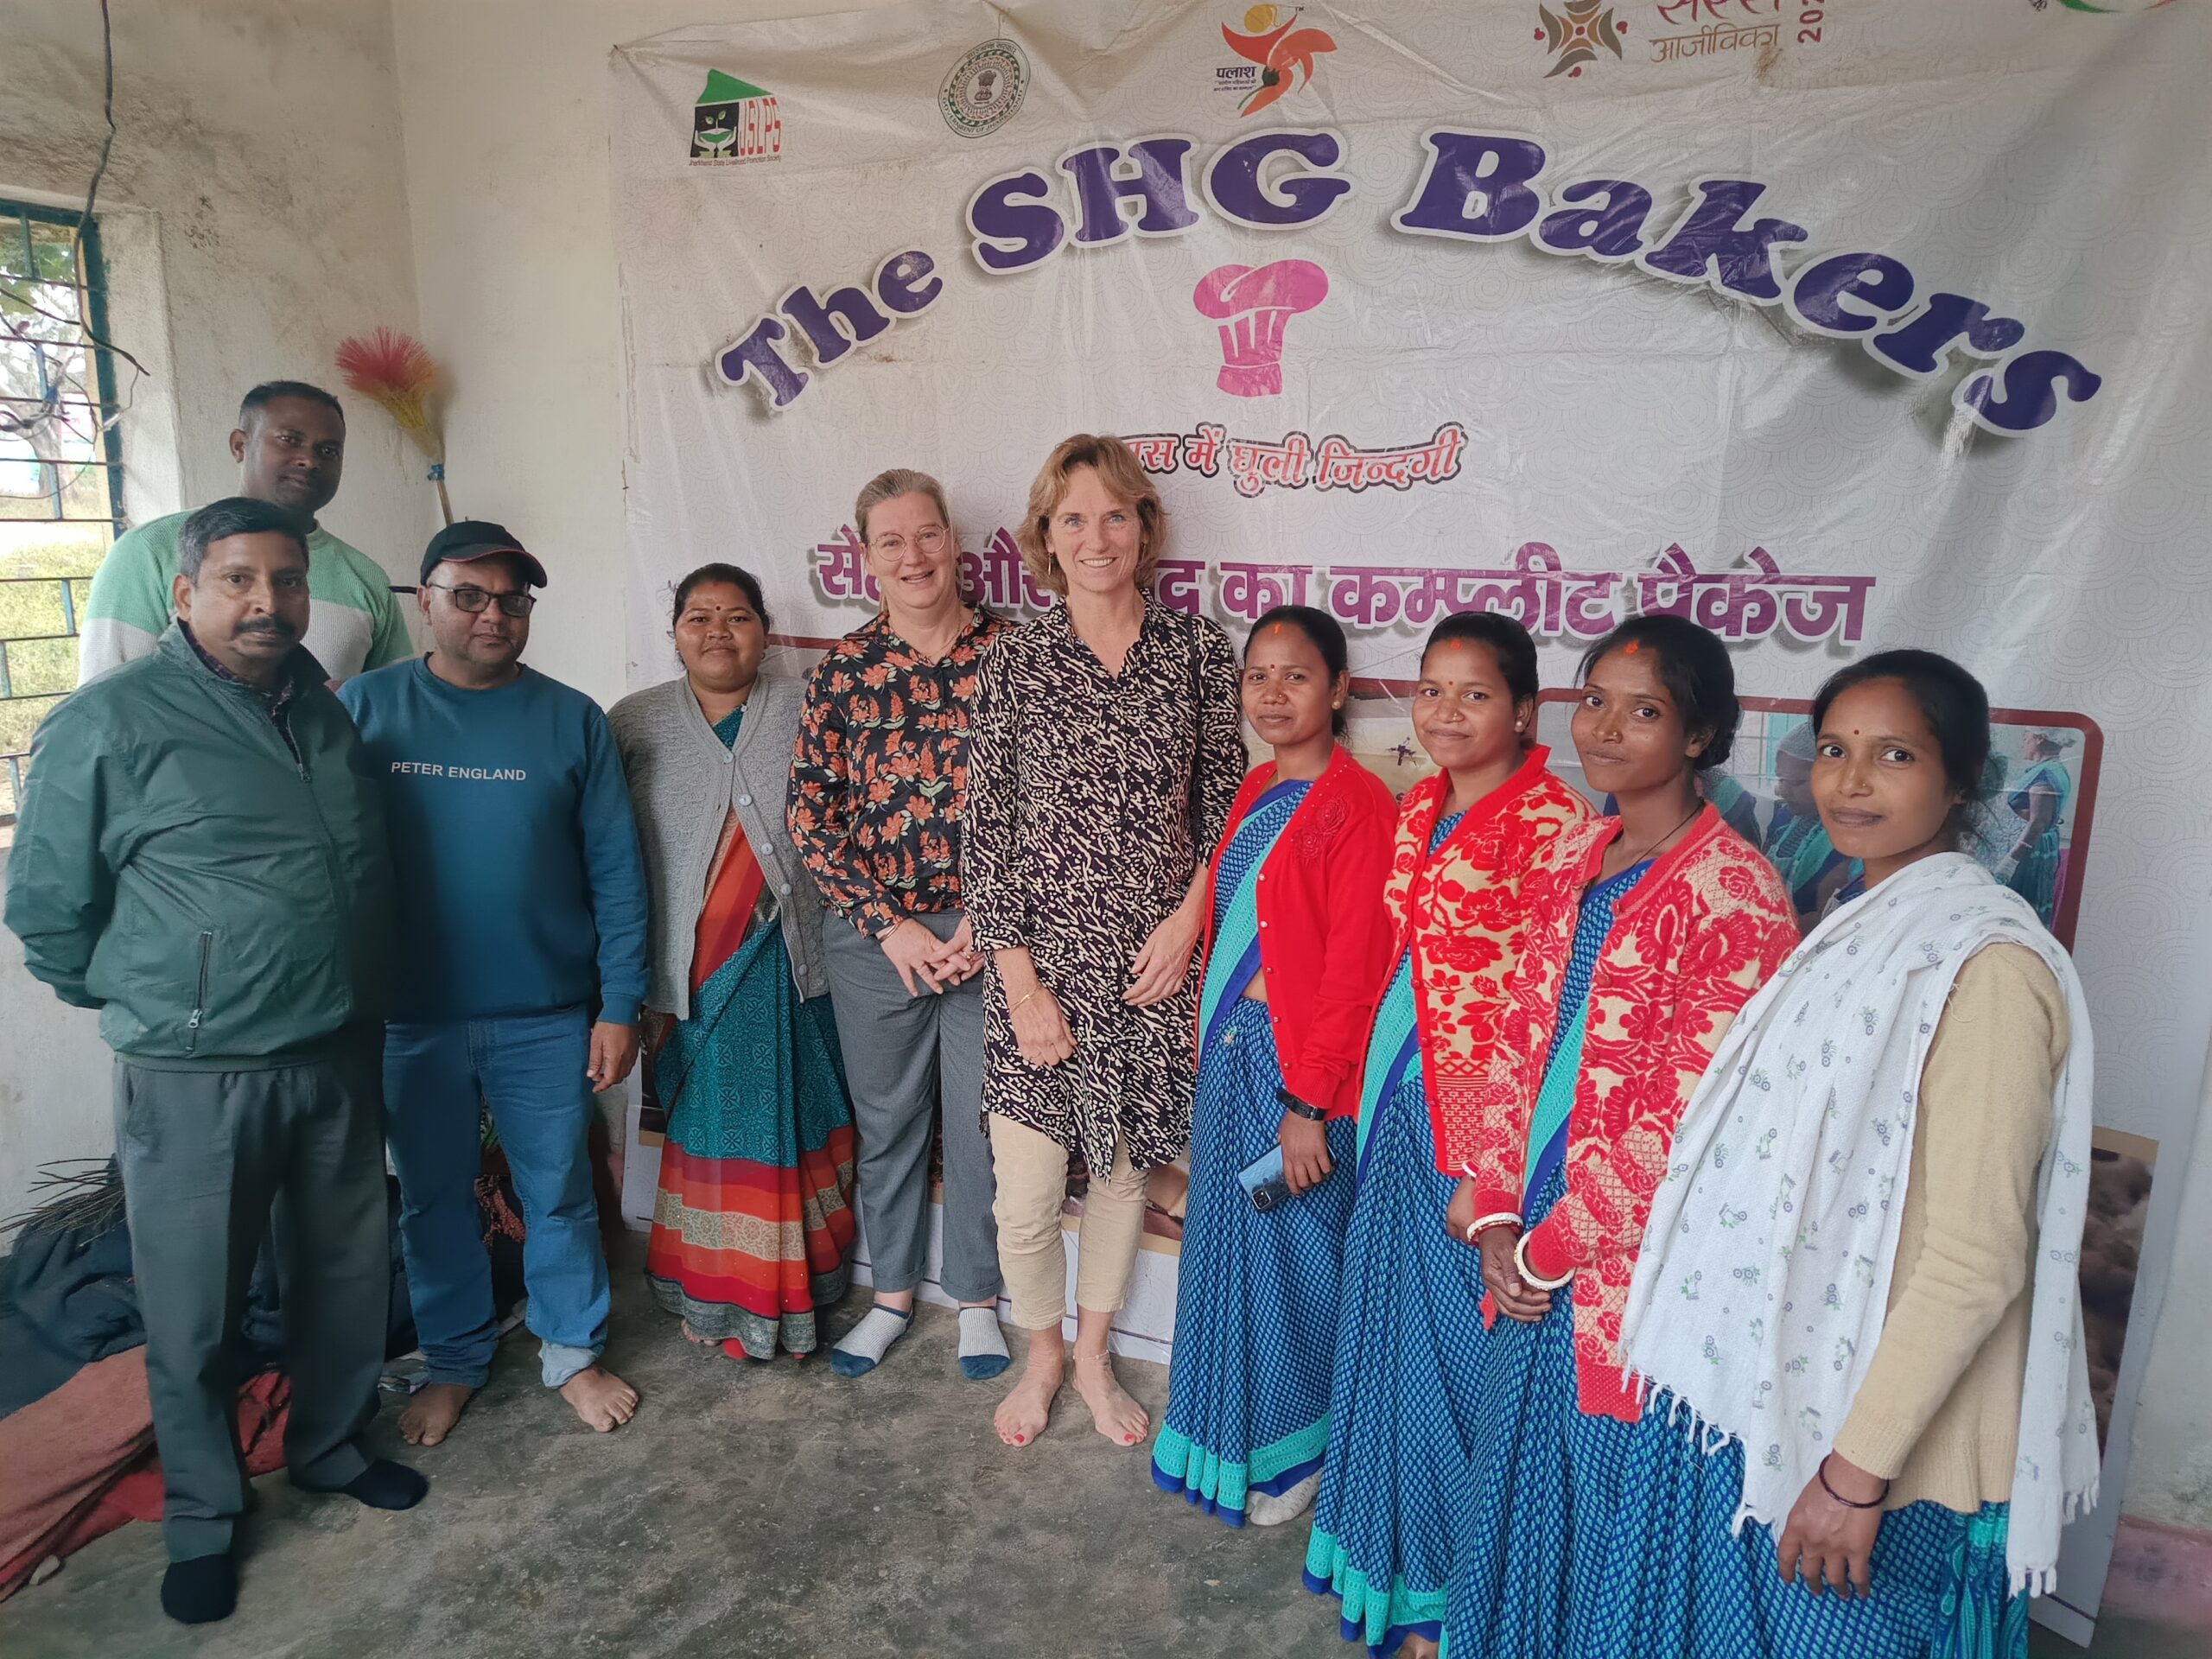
(1032, 1170)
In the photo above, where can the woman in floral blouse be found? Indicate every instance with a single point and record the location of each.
(877, 792)
(1106, 755)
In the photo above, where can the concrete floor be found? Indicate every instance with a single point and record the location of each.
(748, 1510)
(771, 1510)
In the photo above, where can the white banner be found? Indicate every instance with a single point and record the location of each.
(1833, 326)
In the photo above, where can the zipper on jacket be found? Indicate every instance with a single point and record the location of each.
(199, 996)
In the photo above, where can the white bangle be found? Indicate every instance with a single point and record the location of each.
(1528, 1277)
(1481, 1224)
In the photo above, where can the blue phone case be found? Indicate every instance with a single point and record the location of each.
(1262, 1181)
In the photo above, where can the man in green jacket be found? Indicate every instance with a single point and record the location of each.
(200, 857)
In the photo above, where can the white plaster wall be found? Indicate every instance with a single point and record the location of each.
(2172, 1480)
(53, 1078)
(505, 102)
(254, 214)
(260, 141)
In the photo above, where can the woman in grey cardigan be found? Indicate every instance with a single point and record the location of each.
(754, 1218)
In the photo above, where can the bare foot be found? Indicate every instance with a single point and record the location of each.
(1024, 1413)
(430, 1415)
(1417, 1647)
(603, 1399)
(1119, 1418)
(689, 1335)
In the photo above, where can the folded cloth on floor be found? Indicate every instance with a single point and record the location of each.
(67, 1297)
(63, 1453)
(72, 1283)
(80, 1462)
(28, 1369)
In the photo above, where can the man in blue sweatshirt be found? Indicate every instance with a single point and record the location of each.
(520, 968)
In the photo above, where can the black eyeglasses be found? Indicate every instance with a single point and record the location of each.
(472, 599)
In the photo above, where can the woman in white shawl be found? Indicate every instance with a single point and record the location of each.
(1856, 1308)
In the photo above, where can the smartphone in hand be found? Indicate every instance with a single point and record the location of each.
(1263, 1182)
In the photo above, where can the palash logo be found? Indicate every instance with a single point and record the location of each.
(734, 121)
(1281, 51)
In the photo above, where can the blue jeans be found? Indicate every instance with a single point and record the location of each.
(530, 1070)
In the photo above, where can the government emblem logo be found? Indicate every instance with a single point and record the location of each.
(984, 89)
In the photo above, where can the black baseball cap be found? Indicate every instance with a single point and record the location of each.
(480, 538)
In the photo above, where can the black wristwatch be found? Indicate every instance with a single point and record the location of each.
(1298, 1107)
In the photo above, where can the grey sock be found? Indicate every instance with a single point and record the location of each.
(983, 1343)
(861, 1349)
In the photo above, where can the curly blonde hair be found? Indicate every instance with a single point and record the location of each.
(1118, 471)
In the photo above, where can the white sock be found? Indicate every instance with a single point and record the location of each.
(1272, 1509)
(983, 1343)
(862, 1348)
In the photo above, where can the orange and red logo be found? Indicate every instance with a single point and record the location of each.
(1284, 52)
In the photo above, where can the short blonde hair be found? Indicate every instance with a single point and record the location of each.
(889, 486)
(1118, 471)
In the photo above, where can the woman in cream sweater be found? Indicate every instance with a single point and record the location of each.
(1857, 1308)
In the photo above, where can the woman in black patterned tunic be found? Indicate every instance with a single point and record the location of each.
(1105, 752)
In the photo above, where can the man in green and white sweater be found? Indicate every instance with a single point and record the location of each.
(290, 447)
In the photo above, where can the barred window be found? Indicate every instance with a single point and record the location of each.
(60, 463)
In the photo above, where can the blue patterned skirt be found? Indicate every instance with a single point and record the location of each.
(1683, 1586)
(1402, 1406)
(1531, 1562)
(1590, 1538)
(1256, 1300)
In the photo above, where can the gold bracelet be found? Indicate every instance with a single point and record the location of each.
(1017, 1007)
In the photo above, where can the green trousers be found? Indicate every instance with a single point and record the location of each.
(209, 1160)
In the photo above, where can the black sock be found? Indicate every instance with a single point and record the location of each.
(383, 1485)
(201, 1591)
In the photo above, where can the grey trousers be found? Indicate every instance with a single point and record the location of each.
(903, 1055)
(206, 1157)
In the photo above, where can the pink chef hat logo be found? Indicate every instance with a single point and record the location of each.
(1252, 307)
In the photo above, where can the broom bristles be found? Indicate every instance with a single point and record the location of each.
(396, 372)
(88, 1196)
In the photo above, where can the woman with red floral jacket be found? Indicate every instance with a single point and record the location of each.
(877, 804)
(1400, 1407)
(1296, 943)
(1647, 932)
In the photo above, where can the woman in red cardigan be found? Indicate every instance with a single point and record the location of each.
(1296, 942)
(1401, 1403)
(1647, 932)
